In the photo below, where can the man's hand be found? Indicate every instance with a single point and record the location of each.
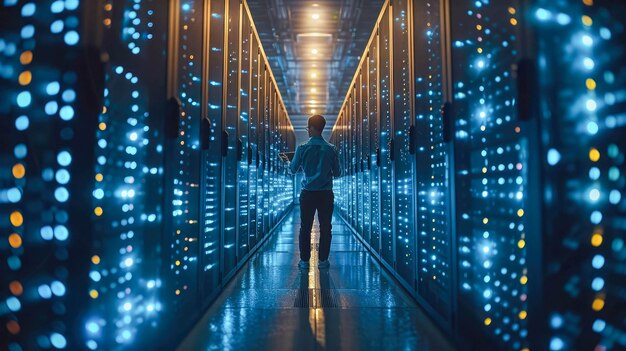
(283, 157)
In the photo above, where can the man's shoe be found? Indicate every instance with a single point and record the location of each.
(323, 264)
(303, 264)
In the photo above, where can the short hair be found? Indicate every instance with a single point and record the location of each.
(317, 121)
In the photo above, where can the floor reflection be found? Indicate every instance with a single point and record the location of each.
(353, 305)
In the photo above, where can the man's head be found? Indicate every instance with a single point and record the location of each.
(315, 125)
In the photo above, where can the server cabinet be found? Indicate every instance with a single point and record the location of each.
(182, 157)
(491, 180)
(354, 149)
(374, 120)
(127, 269)
(432, 194)
(49, 108)
(211, 176)
(365, 152)
(402, 154)
(579, 52)
(262, 175)
(350, 157)
(242, 140)
(266, 152)
(253, 140)
(231, 121)
(386, 142)
(358, 124)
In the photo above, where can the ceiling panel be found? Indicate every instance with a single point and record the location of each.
(314, 48)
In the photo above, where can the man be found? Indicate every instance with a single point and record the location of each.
(320, 162)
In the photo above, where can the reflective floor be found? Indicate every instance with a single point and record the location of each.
(353, 305)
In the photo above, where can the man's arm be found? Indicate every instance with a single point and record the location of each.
(295, 164)
(336, 168)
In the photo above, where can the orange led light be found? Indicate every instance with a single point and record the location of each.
(95, 259)
(598, 304)
(102, 126)
(587, 21)
(522, 315)
(596, 239)
(94, 294)
(13, 327)
(16, 288)
(98, 211)
(15, 240)
(523, 280)
(26, 57)
(19, 171)
(591, 84)
(487, 321)
(99, 177)
(594, 155)
(16, 219)
(25, 78)
(513, 22)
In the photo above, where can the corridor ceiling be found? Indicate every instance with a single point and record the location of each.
(314, 48)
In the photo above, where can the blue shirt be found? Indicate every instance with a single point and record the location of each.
(320, 162)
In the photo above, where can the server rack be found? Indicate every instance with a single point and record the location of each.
(113, 194)
(516, 181)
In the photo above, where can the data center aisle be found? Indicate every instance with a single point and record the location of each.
(354, 305)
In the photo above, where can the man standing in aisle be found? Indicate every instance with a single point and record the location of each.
(320, 162)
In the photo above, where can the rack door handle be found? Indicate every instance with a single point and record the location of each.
(205, 133)
(446, 112)
(526, 73)
(224, 143)
(172, 118)
(239, 150)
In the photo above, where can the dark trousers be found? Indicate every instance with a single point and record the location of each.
(323, 203)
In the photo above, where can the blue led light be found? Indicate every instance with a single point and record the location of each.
(14, 195)
(44, 291)
(24, 99)
(58, 288)
(598, 261)
(596, 217)
(61, 194)
(71, 5)
(71, 38)
(563, 19)
(61, 233)
(556, 344)
(615, 197)
(57, 6)
(597, 284)
(29, 9)
(93, 327)
(58, 340)
(51, 108)
(46, 233)
(69, 96)
(554, 157)
(27, 32)
(598, 325)
(22, 123)
(53, 88)
(67, 113)
(95, 276)
(14, 263)
(64, 158)
(556, 322)
(14, 304)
